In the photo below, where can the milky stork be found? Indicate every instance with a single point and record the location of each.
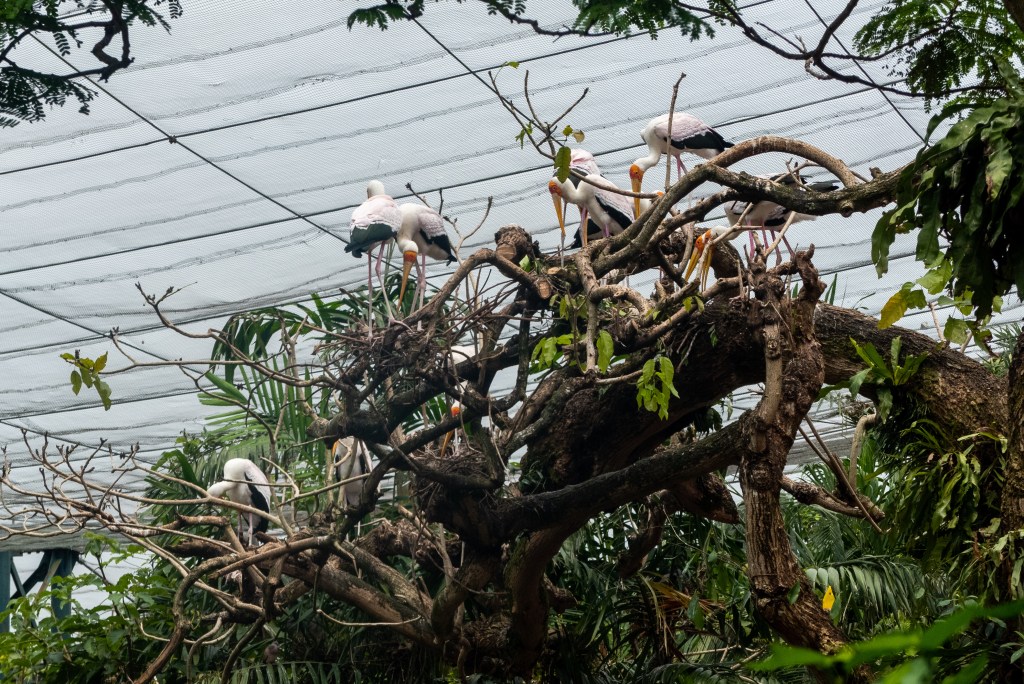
(244, 483)
(610, 211)
(689, 134)
(374, 224)
(765, 214)
(350, 460)
(421, 234)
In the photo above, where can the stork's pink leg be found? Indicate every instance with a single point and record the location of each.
(422, 278)
(369, 294)
(380, 277)
(785, 241)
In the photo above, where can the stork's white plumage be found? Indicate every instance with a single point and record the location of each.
(244, 483)
(350, 461)
(422, 235)
(609, 210)
(689, 134)
(374, 224)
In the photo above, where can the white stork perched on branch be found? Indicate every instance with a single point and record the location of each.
(244, 483)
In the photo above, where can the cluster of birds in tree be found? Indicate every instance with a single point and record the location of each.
(418, 231)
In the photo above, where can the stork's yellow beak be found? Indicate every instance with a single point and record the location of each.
(455, 411)
(556, 197)
(698, 250)
(408, 259)
(636, 176)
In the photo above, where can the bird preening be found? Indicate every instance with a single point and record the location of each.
(244, 483)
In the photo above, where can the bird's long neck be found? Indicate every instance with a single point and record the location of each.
(650, 160)
(573, 194)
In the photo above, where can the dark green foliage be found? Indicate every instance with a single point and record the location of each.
(967, 190)
(594, 16)
(939, 46)
(25, 93)
(925, 647)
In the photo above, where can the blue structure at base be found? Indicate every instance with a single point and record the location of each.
(55, 563)
(6, 566)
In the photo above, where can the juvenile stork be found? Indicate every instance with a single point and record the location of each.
(374, 224)
(689, 134)
(244, 483)
(421, 234)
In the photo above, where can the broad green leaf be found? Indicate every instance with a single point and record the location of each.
(101, 363)
(956, 331)
(937, 277)
(893, 309)
(605, 349)
(76, 382)
(562, 159)
(783, 657)
(104, 391)
(884, 402)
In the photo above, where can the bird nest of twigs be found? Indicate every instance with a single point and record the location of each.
(464, 464)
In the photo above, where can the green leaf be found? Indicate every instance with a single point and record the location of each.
(104, 391)
(562, 160)
(567, 131)
(100, 364)
(76, 382)
(783, 657)
(956, 331)
(857, 380)
(794, 593)
(605, 349)
(873, 359)
(227, 388)
(937, 277)
(513, 64)
(884, 402)
(893, 309)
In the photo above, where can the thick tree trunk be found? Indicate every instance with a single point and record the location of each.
(1012, 503)
(794, 372)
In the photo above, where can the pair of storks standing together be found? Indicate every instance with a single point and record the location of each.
(246, 484)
